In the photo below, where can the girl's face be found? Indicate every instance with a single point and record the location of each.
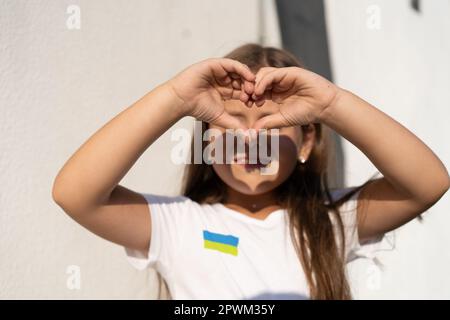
(257, 179)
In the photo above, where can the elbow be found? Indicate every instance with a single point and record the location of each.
(71, 198)
(58, 195)
(61, 196)
(444, 185)
(439, 189)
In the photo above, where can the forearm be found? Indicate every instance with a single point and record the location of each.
(404, 160)
(94, 170)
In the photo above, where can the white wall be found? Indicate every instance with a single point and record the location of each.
(57, 87)
(403, 68)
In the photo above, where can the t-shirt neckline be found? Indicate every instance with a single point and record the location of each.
(271, 220)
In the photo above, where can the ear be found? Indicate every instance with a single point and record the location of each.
(308, 141)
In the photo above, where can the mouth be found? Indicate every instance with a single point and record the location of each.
(244, 160)
(251, 167)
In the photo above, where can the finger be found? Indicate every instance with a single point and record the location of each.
(242, 85)
(234, 95)
(234, 66)
(268, 80)
(263, 71)
(230, 93)
(219, 72)
(227, 121)
(225, 81)
(248, 87)
(259, 75)
(234, 75)
(259, 102)
(275, 120)
(236, 84)
(258, 80)
(244, 97)
(264, 82)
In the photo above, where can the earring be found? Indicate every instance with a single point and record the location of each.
(302, 159)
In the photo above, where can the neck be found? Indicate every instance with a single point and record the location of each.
(255, 205)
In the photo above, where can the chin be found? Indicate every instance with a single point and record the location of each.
(251, 184)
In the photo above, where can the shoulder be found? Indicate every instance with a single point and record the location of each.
(164, 199)
(175, 205)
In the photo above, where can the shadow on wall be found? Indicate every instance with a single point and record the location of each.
(303, 32)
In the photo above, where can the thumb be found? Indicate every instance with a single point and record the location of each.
(275, 120)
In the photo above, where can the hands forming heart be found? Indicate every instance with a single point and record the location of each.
(302, 95)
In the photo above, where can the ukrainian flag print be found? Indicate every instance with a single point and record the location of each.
(220, 242)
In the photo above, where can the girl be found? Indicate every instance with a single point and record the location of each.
(236, 233)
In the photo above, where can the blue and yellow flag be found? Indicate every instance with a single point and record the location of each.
(221, 242)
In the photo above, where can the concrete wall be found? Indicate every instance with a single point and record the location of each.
(398, 59)
(59, 85)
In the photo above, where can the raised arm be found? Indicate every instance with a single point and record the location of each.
(414, 177)
(87, 189)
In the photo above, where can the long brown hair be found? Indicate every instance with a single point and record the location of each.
(303, 194)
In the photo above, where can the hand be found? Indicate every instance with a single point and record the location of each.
(204, 86)
(301, 94)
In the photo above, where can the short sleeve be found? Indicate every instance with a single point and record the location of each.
(167, 214)
(355, 249)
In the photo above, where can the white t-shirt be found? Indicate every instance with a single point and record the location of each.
(213, 252)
